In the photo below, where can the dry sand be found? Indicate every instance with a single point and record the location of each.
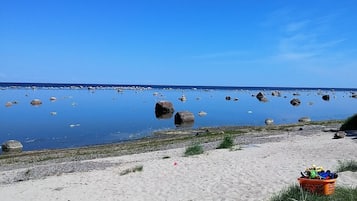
(255, 172)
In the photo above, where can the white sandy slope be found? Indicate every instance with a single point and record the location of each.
(254, 173)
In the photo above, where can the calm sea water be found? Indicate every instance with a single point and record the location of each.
(81, 117)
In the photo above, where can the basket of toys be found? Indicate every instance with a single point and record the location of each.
(317, 180)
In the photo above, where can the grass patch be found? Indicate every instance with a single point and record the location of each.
(350, 123)
(227, 142)
(349, 165)
(137, 168)
(295, 193)
(194, 149)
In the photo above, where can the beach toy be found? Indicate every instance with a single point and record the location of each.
(312, 174)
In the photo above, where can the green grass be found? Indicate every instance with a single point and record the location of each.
(348, 165)
(295, 193)
(194, 149)
(227, 142)
(350, 123)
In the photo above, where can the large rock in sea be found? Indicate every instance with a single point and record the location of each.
(260, 96)
(164, 110)
(12, 146)
(326, 97)
(184, 118)
(295, 102)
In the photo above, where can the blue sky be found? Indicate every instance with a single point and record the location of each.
(180, 42)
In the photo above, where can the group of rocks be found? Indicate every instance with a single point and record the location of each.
(294, 102)
(165, 110)
(34, 102)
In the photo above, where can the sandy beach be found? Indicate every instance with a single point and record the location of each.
(254, 172)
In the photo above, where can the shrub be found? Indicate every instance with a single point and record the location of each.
(194, 149)
(350, 165)
(137, 168)
(227, 142)
(350, 123)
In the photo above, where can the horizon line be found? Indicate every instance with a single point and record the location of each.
(176, 86)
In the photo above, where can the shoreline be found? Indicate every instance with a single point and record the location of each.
(265, 162)
(164, 140)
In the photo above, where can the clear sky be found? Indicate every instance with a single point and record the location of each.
(301, 43)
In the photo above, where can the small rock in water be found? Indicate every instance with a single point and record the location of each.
(305, 119)
(36, 102)
(269, 121)
(183, 98)
(52, 99)
(53, 113)
(202, 113)
(8, 104)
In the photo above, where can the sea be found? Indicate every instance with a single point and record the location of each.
(76, 115)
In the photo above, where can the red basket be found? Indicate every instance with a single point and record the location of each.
(318, 186)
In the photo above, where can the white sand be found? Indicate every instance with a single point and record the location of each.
(253, 173)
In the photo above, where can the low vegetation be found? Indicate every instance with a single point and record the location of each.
(348, 165)
(350, 123)
(137, 168)
(227, 142)
(295, 193)
(194, 149)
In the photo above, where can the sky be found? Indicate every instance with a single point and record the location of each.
(295, 43)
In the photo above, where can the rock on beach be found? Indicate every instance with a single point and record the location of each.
(12, 146)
